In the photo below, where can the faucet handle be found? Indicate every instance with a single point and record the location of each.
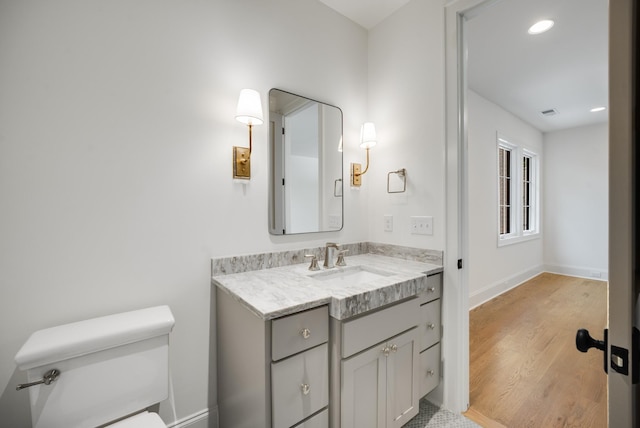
(314, 262)
(340, 261)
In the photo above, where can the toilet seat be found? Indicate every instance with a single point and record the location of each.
(141, 420)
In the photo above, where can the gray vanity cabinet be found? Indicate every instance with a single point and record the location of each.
(378, 357)
(430, 333)
(271, 373)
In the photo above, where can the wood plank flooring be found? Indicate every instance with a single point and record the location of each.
(525, 370)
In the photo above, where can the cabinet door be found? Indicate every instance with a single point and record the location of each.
(402, 382)
(364, 389)
(300, 386)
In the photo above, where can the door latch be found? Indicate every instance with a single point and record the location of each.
(620, 360)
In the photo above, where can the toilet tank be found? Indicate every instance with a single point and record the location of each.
(110, 367)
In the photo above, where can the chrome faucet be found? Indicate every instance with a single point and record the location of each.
(328, 254)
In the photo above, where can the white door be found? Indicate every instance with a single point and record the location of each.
(623, 228)
(402, 379)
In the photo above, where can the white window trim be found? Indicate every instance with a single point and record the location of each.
(535, 179)
(517, 234)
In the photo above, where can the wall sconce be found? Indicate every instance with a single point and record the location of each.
(249, 112)
(367, 140)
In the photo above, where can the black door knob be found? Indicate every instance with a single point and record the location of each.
(584, 341)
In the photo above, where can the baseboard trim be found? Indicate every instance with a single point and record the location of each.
(580, 272)
(196, 420)
(494, 290)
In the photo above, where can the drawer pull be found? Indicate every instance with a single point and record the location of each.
(305, 388)
(431, 289)
(430, 372)
(389, 349)
(432, 326)
(306, 333)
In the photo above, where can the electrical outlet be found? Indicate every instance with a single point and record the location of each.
(388, 223)
(421, 225)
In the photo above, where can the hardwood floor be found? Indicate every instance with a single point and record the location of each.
(525, 370)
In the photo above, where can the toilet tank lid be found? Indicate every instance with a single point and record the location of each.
(84, 337)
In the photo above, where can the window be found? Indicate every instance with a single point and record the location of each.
(505, 182)
(526, 193)
(517, 193)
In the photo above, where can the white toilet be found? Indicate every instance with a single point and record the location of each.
(111, 369)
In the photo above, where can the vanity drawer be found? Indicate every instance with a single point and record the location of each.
(295, 333)
(429, 328)
(364, 332)
(429, 372)
(321, 420)
(299, 386)
(434, 289)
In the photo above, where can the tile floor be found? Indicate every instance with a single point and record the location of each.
(431, 416)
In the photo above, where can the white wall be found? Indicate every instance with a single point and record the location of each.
(116, 128)
(493, 269)
(406, 102)
(576, 198)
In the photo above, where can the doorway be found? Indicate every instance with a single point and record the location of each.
(515, 263)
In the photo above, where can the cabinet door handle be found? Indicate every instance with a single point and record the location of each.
(432, 326)
(306, 333)
(431, 289)
(394, 348)
(305, 388)
(386, 350)
(430, 372)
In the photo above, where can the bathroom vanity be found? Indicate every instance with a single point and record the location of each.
(345, 347)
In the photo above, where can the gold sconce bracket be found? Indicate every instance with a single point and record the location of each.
(241, 162)
(356, 175)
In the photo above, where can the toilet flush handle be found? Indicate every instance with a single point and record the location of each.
(48, 377)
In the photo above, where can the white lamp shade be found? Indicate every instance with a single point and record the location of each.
(368, 135)
(249, 109)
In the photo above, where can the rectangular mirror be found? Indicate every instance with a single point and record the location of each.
(305, 171)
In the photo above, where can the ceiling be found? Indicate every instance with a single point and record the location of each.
(367, 13)
(563, 69)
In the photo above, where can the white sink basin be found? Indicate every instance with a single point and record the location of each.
(351, 274)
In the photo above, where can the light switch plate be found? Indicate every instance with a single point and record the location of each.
(421, 225)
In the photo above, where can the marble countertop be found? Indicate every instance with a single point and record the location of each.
(272, 293)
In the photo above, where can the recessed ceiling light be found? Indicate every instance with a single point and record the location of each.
(541, 26)
(596, 109)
